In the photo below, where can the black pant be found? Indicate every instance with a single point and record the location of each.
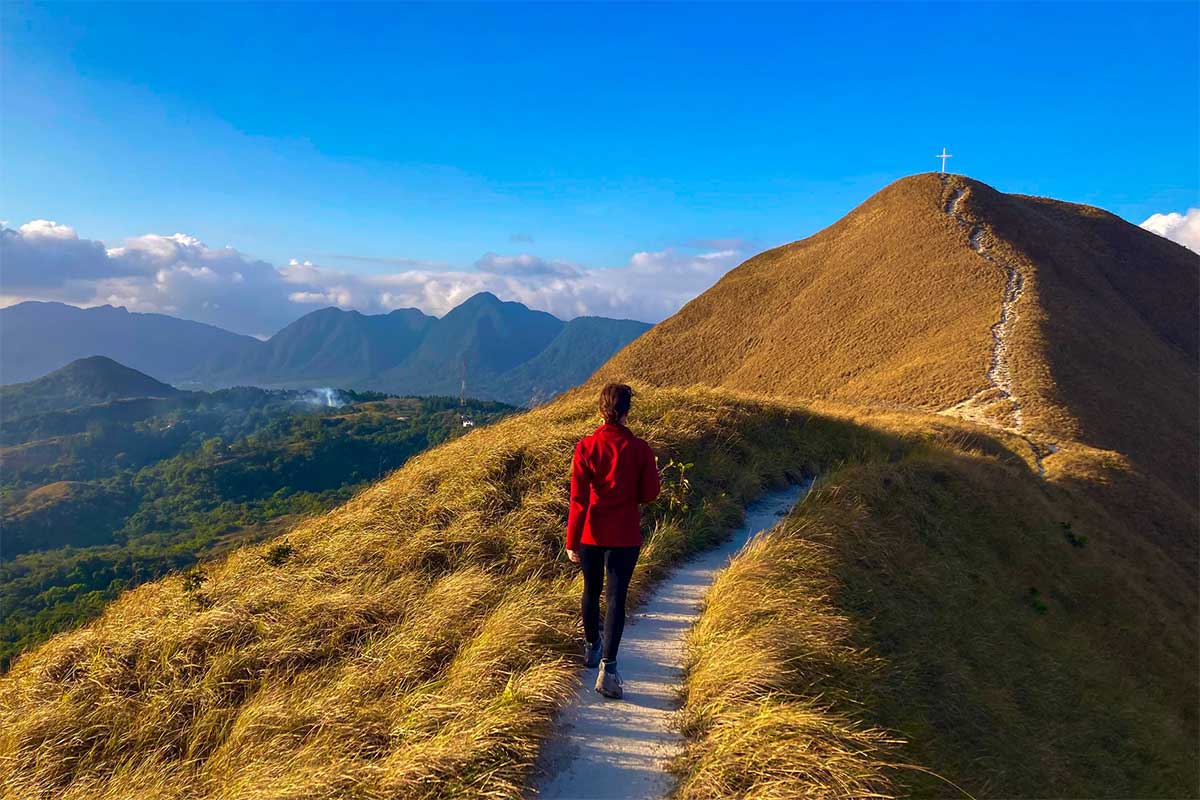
(618, 562)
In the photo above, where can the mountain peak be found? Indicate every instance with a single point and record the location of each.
(486, 301)
(107, 376)
(332, 311)
(481, 299)
(85, 381)
(942, 293)
(407, 312)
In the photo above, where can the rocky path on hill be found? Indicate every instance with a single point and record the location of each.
(997, 405)
(620, 748)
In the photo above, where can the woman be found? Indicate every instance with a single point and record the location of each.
(612, 473)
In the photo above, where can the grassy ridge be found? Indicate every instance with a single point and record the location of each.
(413, 643)
(1009, 632)
(417, 641)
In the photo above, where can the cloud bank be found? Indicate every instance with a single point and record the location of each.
(1181, 228)
(182, 276)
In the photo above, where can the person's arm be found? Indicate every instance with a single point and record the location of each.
(581, 496)
(649, 484)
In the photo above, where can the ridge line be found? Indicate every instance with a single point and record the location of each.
(978, 407)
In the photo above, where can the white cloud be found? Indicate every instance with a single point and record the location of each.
(524, 264)
(1181, 228)
(47, 229)
(43, 255)
(180, 275)
(175, 274)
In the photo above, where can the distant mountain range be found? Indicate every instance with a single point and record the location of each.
(507, 351)
(38, 338)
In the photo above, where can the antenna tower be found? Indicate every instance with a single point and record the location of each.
(462, 395)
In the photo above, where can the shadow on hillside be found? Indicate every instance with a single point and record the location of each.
(1024, 638)
(1120, 331)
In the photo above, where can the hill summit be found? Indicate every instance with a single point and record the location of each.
(85, 381)
(1053, 320)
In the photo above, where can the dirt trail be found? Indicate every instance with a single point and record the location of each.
(619, 748)
(998, 405)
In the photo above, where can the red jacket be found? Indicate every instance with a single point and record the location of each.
(613, 471)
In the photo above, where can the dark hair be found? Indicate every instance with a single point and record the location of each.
(614, 402)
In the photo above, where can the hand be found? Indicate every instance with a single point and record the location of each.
(571, 554)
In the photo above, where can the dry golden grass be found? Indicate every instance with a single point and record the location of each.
(887, 306)
(891, 621)
(1095, 694)
(890, 307)
(758, 711)
(413, 643)
(1107, 353)
(418, 641)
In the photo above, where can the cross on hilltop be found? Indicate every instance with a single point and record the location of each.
(944, 155)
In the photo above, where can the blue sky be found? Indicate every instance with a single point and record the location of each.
(375, 139)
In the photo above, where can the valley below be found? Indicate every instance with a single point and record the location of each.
(100, 497)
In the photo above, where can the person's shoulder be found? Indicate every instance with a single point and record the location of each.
(588, 440)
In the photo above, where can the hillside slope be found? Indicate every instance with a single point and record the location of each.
(417, 641)
(327, 347)
(896, 303)
(98, 499)
(85, 381)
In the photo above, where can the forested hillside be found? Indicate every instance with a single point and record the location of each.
(87, 381)
(99, 497)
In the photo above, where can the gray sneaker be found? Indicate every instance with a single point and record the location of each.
(608, 681)
(592, 653)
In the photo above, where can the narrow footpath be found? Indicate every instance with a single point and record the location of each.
(619, 748)
(997, 405)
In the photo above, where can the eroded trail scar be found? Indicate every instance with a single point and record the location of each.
(620, 749)
(997, 405)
